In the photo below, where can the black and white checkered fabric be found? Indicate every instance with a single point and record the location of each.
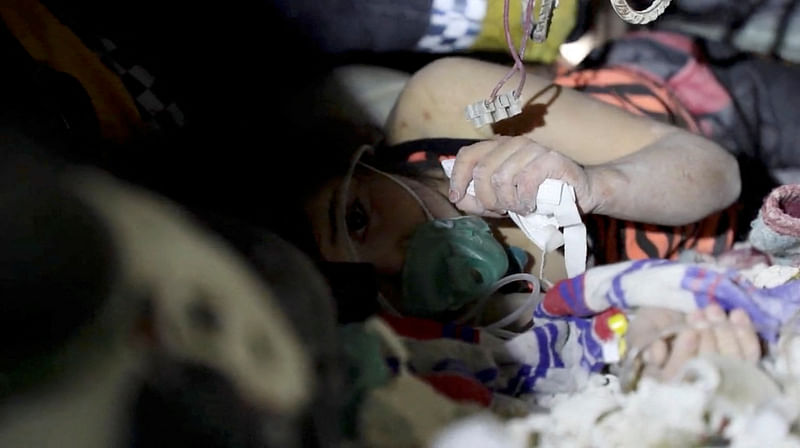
(152, 98)
(454, 26)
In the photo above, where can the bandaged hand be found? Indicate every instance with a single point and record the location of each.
(685, 336)
(507, 172)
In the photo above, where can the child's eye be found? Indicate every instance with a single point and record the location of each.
(357, 219)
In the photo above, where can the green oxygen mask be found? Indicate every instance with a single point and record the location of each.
(450, 263)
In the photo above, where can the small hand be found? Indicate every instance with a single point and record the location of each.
(705, 331)
(507, 172)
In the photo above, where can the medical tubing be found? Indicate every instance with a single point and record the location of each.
(535, 291)
(518, 64)
(481, 304)
(527, 29)
(384, 303)
(405, 187)
(341, 200)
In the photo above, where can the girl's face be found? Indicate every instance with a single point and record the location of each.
(377, 214)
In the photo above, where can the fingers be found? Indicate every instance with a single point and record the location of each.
(506, 177)
(649, 322)
(468, 157)
(650, 319)
(657, 353)
(471, 205)
(729, 335)
(487, 184)
(707, 343)
(527, 180)
(727, 342)
(710, 331)
(684, 348)
(746, 335)
(654, 358)
(498, 167)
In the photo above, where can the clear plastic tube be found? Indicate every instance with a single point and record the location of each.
(514, 315)
(519, 65)
(344, 190)
(405, 187)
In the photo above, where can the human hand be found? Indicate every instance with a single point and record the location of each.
(703, 331)
(507, 172)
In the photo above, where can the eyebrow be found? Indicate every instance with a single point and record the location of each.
(332, 218)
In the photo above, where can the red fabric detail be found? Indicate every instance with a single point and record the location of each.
(425, 329)
(554, 304)
(600, 324)
(459, 388)
(418, 156)
(698, 89)
(414, 327)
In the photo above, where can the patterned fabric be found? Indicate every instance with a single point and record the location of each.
(680, 287)
(572, 336)
(617, 240)
(425, 329)
(556, 355)
(454, 25)
(151, 96)
(625, 88)
(672, 68)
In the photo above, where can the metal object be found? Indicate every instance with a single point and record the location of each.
(647, 15)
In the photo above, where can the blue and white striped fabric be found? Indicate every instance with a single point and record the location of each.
(567, 342)
(673, 285)
(454, 26)
(547, 359)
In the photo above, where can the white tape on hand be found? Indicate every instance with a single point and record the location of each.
(556, 208)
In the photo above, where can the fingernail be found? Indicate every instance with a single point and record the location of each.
(453, 195)
(715, 314)
(739, 317)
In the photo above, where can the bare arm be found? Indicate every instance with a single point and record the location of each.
(635, 168)
(678, 179)
(578, 126)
